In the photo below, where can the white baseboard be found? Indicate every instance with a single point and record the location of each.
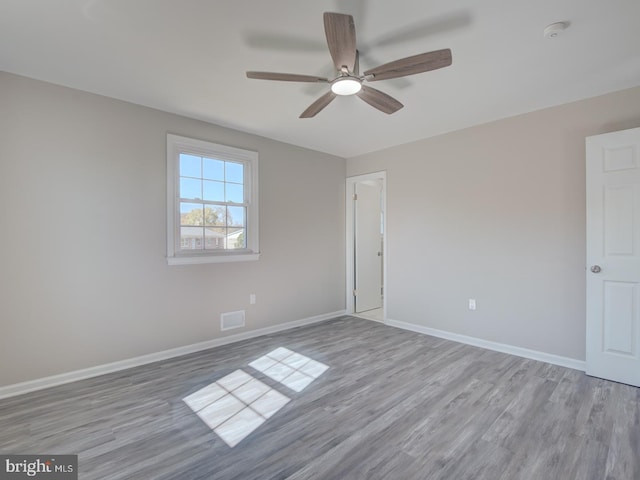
(54, 380)
(498, 347)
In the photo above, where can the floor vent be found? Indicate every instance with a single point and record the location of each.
(230, 320)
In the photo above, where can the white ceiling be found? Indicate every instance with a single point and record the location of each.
(190, 56)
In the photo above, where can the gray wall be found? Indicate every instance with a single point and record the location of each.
(496, 213)
(84, 280)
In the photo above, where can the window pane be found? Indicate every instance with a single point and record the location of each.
(234, 172)
(235, 193)
(190, 188)
(213, 169)
(214, 216)
(216, 238)
(213, 191)
(190, 166)
(235, 216)
(191, 214)
(191, 238)
(235, 238)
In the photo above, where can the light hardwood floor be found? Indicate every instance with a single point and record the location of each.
(376, 314)
(392, 405)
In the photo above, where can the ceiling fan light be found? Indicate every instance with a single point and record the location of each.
(346, 86)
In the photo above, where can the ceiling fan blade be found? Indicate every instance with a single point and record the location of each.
(379, 100)
(423, 62)
(318, 105)
(286, 77)
(340, 31)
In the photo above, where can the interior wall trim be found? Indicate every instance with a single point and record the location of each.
(60, 379)
(489, 345)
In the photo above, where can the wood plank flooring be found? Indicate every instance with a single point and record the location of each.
(393, 405)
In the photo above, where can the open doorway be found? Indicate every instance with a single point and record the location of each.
(366, 245)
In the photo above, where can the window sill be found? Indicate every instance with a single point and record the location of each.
(203, 259)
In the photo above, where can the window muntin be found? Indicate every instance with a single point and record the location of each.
(212, 211)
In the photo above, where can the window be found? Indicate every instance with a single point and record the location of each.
(212, 193)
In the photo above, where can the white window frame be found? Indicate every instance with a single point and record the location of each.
(175, 146)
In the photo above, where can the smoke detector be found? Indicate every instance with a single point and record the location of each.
(555, 29)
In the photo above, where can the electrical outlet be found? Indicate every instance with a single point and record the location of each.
(472, 304)
(252, 299)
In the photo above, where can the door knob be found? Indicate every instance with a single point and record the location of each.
(596, 269)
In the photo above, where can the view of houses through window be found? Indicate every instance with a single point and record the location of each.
(212, 204)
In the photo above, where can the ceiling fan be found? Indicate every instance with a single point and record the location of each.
(340, 31)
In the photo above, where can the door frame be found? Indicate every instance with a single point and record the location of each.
(350, 237)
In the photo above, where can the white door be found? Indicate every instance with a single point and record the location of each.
(368, 245)
(613, 256)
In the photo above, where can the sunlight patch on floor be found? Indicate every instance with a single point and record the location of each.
(235, 405)
(238, 403)
(291, 369)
